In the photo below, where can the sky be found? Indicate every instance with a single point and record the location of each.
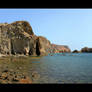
(72, 27)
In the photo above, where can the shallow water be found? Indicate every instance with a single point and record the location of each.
(59, 68)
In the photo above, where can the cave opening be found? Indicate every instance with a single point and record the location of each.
(38, 47)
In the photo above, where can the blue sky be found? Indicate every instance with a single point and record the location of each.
(72, 27)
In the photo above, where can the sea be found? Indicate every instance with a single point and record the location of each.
(60, 68)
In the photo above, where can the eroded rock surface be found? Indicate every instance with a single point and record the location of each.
(19, 38)
(43, 46)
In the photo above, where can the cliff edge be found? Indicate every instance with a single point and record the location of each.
(19, 38)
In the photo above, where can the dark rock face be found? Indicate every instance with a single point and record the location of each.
(86, 49)
(59, 48)
(75, 51)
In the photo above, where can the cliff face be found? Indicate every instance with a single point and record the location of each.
(19, 38)
(42, 46)
(59, 48)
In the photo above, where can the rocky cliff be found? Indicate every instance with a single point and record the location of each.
(19, 38)
(59, 48)
(43, 46)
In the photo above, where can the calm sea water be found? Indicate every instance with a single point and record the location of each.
(59, 68)
(68, 68)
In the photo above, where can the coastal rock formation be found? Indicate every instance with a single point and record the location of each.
(86, 49)
(43, 46)
(75, 51)
(59, 48)
(19, 38)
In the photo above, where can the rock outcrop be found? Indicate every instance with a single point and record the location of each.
(59, 48)
(43, 46)
(19, 38)
(75, 51)
(86, 50)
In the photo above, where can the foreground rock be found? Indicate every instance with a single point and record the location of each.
(12, 77)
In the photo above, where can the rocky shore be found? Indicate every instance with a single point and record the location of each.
(13, 77)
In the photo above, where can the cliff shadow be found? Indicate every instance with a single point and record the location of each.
(38, 47)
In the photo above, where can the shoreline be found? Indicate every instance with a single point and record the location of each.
(21, 55)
